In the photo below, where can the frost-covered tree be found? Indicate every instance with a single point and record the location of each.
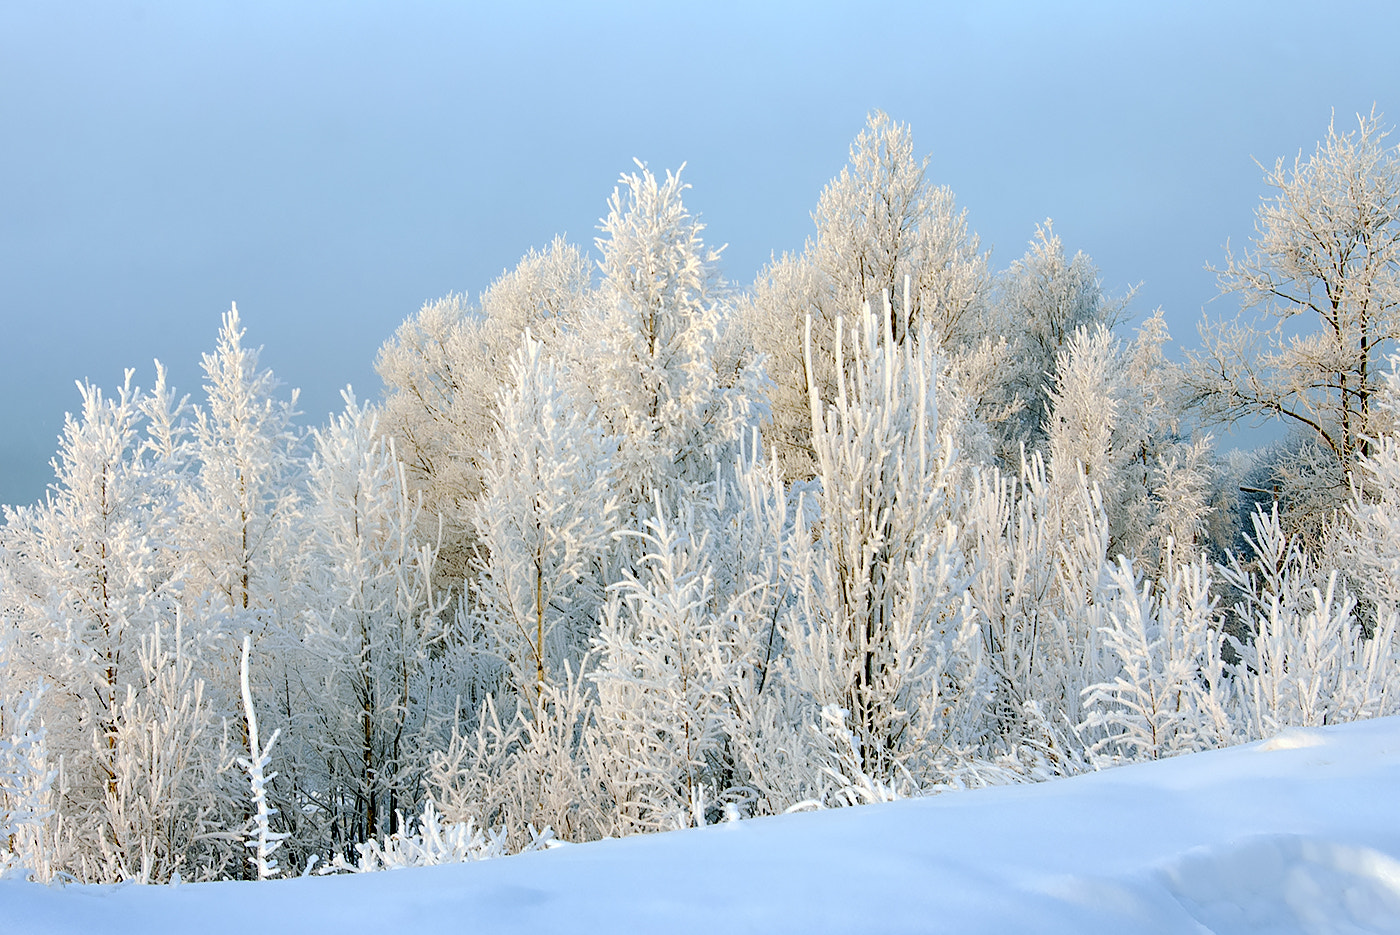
(241, 539)
(1040, 575)
(524, 775)
(239, 519)
(1112, 419)
(879, 221)
(882, 628)
(442, 370)
(88, 574)
(696, 716)
(1086, 406)
(546, 523)
(546, 293)
(26, 781)
(1172, 692)
(753, 521)
(90, 570)
(93, 594)
(437, 384)
(647, 359)
(169, 810)
(1369, 546)
(79, 568)
(1306, 659)
(380, 700)
(1040, 303)
(668, 661)
(1324, 268)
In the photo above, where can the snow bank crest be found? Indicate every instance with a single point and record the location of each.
(1294, 738)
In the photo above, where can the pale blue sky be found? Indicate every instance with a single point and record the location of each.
(330, 166)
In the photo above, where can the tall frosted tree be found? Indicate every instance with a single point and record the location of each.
(91, 573)
(376, 679)
(1324, 272)
(442, 370)
(95, 604)
(241, 539)
(649, 352)
(546, 523)
(878, 222)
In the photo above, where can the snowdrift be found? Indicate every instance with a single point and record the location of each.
(1299, 833)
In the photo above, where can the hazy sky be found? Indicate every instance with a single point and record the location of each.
(331, 166)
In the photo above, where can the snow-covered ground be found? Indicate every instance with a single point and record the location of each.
(1300, 833)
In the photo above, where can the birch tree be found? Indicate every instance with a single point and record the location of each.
(647, 359)
(879, 221)
(381, 703)
(442, 370)
(546, 524)
(94, 596)
(1324, 273)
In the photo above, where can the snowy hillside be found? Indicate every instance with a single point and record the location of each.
(1300, 833)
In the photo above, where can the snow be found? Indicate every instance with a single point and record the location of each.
(1299, 833)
